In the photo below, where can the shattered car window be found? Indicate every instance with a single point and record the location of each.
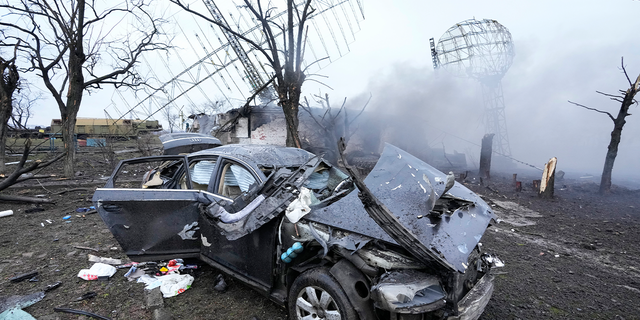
(130, 175)
(235, 180)
(200, 173)
(326, 182)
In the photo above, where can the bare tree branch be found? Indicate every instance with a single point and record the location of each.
(625, 71)
(592, 109)
(13, 177)
(362, 110)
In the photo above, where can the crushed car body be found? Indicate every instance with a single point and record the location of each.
(307, 235)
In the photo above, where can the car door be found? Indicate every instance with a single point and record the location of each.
(251, 255)
(239, 233)
(151, 206)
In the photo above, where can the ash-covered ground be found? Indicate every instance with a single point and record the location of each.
(575, 256)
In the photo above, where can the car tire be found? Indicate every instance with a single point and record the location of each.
(317, 294)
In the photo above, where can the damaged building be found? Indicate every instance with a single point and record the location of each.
(320, 129)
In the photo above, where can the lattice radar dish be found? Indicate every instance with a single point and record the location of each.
(479, 49)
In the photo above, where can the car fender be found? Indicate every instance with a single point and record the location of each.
(356, 286)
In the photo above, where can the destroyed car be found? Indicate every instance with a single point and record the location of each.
(294, 228)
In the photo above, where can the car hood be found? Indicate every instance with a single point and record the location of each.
(410, 188)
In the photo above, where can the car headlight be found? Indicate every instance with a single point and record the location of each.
(408, 291)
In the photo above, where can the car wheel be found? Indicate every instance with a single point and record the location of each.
(316, 295)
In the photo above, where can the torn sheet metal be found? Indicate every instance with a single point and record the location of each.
(327, 237)
(218, 211)
(388, 260)
(277, 192)
(452, 236)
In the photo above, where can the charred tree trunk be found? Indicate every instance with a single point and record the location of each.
(616, 134)
(9, 82)
(612, 153)
(5, 112)
(290, 107)
(69, 111)
(485, 156)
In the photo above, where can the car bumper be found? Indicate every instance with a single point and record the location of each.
(473, 304)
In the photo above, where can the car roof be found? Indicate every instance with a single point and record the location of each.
(261, 154)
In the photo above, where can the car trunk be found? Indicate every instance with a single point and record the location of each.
(184, 142)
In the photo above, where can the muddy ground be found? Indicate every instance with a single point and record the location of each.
(575, 256)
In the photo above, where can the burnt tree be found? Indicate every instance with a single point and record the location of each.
(485, 156)
(626, 98)
(77, 46)
(9, 83)
(332, 125)
(283, 56)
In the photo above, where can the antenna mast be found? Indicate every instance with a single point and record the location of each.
(251, 71)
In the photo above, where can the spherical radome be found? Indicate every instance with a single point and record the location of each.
(479, 49)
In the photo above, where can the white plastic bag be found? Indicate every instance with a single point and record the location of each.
(149, 281)
(97, 270)
(174, 284)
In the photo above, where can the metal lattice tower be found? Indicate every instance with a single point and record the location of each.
(230, 69)
(434, 53)
(482, 50)
(251, 71)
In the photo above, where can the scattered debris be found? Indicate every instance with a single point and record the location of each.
(134, 273)
(6, 213)
(171, 285)
(85, 248)
(69, 190)
(97, 272)
(53, 286)
(24, 276)
(66, 217)
(80, 210)
(86, 296)
(81, 312)
(104, 260)
(221, 285)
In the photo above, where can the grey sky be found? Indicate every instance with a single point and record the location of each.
(565, 50)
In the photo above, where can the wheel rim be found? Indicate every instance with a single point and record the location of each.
(314, 303)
